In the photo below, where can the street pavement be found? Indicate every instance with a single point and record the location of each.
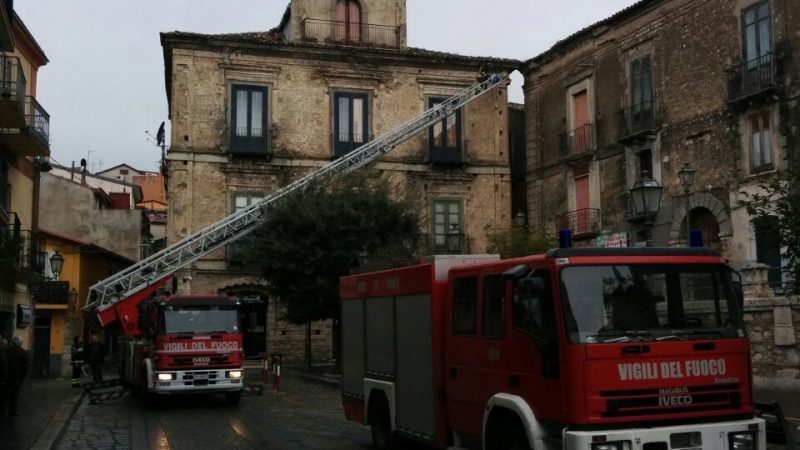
(305, 415)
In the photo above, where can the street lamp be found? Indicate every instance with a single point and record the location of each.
(646, 197)
(56, 262)
(454, 238)
(519, 218)
(687, 180)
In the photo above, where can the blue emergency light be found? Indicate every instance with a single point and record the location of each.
(695, 238)
(565, 238)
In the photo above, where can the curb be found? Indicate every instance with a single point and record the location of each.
(55, 430)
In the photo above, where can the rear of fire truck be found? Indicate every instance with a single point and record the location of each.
(656, 351)
(190, 344)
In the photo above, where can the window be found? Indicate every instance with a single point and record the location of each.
(249, 120)
(533, 313)
(644, 161)
(238, 250)
(768, 248)
(444, 137)
(350, 121)
(447, 234)
(756, 32)
(494, 287)
(348, 21)
(465, 311)
(760, 146)
(641, 89)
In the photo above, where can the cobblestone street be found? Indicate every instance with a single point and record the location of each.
(302, 416)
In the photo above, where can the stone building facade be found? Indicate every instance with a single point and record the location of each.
(252, 111)
(661, 84)
(712, 84)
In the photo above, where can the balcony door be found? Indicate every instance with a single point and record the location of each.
(580, 120)
(581, 201)
(348, 21)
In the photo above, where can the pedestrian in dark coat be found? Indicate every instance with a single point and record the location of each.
(76, 359)
(3, 375)
(17, 370)
(96, 353)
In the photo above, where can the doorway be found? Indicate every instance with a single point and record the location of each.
(253, 322)
(41, 344)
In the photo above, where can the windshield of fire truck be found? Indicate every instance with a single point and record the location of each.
(200, 319)
(643, 302)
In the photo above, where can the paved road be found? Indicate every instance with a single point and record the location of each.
(303, 416)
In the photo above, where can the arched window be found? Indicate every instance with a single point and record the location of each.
(348, 18)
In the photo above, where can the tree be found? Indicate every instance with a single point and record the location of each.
(778, 199)
(308, 241)
(520, 241)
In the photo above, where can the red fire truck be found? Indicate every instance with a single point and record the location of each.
(184, 344)
(597, 349)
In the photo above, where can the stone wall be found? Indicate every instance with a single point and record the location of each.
(773, 325)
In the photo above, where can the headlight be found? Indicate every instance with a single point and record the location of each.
(607, 446)
(234, 374)
(165, 377)
(745, 440)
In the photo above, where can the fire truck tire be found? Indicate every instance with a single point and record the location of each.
(232, 398)
(513, 436)
(380, 422)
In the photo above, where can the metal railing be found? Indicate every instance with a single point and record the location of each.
(38, 120)
(577, 141)
(12, 80)
(752, 77)
(327, 31)
(581, 221)
(32, 252)
(447, 243)
(637, 119)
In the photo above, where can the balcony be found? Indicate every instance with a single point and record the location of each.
(584, 223)
(752, 80)
(578, 145)
(12, 93)
(335, 32)
(33, 138)
(51, 292)
(32, 254)
(454, 243)
(638, 122)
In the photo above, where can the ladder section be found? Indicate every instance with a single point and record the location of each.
(153, 270)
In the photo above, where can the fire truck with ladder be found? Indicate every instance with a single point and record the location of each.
(191, 343)
(578, 348)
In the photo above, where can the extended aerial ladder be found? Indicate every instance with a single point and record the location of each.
(116, 297)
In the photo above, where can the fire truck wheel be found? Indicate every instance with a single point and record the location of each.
(232, 398)
(513, 437)
(380, 422)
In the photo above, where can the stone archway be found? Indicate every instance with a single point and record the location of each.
(701, 200)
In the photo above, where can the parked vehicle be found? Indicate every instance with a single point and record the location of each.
(184, 344)
(597, 349)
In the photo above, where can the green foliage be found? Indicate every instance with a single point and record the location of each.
(520, 241)
(309, 241)
(779, 197)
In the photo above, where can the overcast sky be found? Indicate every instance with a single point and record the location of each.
(104, 85)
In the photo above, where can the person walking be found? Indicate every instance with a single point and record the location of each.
(17, 370)
(3, 375)
(96, 353)
(76, 359)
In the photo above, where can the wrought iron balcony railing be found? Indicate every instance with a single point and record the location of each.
(38, 120)
(751, 78)
(337, 32)
(447, 244)
(582, 221)
(578, 141)
(32, 254)
(637, 119)
(12, 80)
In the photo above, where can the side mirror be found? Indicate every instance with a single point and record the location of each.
(737, 289)
(531, 291)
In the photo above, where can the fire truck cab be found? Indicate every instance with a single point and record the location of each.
(597, 349)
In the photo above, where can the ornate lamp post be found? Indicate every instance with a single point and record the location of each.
(454, 238)
(72, 297)
(646, 196)
(686, 175)
(56, 262)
